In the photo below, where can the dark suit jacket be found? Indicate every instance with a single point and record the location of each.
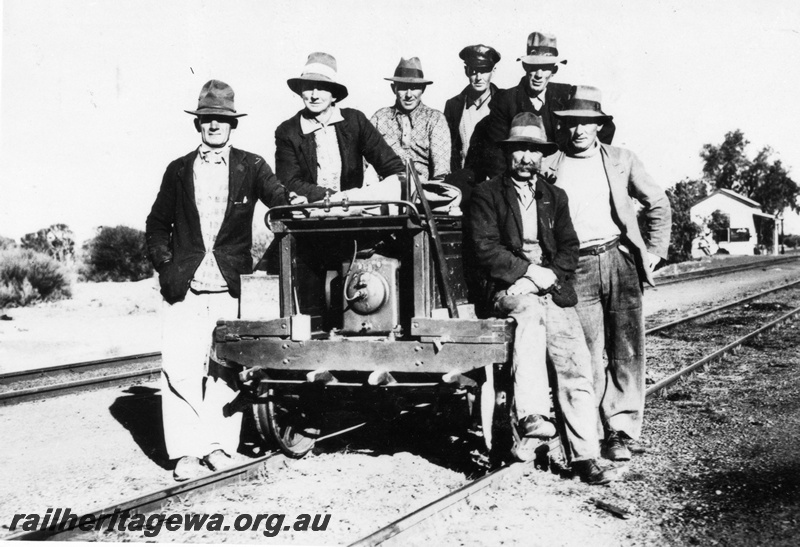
(174, 238)
(496, 231)
(490, 160)
(453, 110)
(296, 154)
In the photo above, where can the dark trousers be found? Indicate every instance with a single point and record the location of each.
(610, 310)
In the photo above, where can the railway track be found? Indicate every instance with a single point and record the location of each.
(41, 383)
(158, 499)
(701, 274)
(409, 521)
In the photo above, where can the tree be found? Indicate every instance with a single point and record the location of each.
(760, 179)
(681, 198)
(117, 254)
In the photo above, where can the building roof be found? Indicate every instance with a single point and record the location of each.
(732, 195)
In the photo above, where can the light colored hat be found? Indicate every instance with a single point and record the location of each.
(215, 98)
(584, 103)
(542, 50)
(320, 67)
(527, 127)
(409, 71)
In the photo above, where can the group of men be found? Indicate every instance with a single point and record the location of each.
(552, 219)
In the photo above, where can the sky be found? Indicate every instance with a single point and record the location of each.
(93, 93)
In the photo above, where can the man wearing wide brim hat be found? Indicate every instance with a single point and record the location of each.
(322, 148)
(199, 234)
(464, 111)
(616, 258)
(535, 93)
(413, 130)
(526, 246)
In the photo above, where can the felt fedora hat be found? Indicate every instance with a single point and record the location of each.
(409, 71)
(527, 127)
(542, 50)
(585, 103)
(215, 98)
(320, 67)
(480, 57)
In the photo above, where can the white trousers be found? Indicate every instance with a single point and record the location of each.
(193, 402)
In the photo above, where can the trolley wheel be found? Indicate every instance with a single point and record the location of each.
(281, 420)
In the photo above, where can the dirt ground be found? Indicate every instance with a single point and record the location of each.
(87, 451)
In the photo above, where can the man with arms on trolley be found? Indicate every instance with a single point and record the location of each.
(199, 234)
(322, 148)
(524, 240)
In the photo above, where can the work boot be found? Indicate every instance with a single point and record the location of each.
(615, 448)
(188, 468)
(591, 473)
(218, 459)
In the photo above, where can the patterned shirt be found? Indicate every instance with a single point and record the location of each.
(210, 171)
(421, 136)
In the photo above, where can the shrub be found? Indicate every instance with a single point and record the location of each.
(117, 254)
(27, 277)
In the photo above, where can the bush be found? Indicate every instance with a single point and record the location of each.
(7, 243)
(27, 277)
(117, 254)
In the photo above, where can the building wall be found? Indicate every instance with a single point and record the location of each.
(741, 216)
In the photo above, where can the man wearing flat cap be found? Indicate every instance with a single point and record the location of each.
(606, 185)
(526, 245)
(412, 129)
(535, 93)
(199, 234)
(465, 110)
(322, 148)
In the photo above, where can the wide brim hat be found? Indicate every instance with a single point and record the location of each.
(585, 103)
(528, 128)
(321, 68)
(409, 71)
(542, 50)
(216, 99)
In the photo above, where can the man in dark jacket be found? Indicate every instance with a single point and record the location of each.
(465, 110)
(322, 148)
(525, 242)
(535, 93)
(199, 237)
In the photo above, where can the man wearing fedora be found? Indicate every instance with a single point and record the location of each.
(535, 93)
(528, 249)
(465, 110)
(412, 129)
(322, 148)
(616, 258)
(199, 234)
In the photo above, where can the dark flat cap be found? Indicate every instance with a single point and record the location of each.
(479, 56)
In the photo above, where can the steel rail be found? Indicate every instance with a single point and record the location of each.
(106, 518)
(53, 390)
(669, 380)
(10, 378)
(711, 272)
(709, 311)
